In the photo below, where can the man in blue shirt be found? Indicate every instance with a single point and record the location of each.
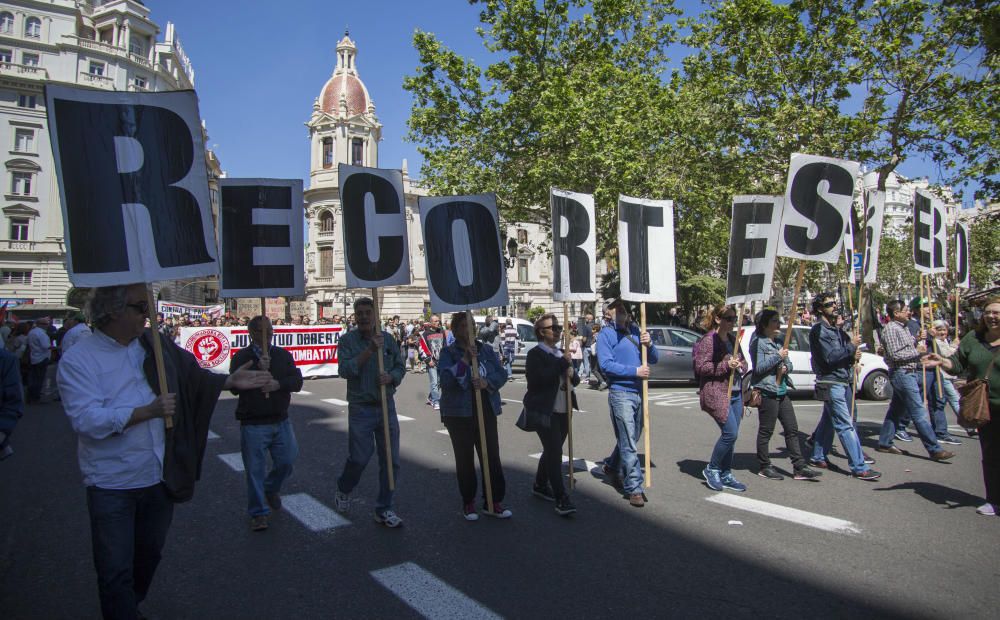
(357, 351)
(619, 356)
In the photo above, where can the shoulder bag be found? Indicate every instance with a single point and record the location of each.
(974, 400)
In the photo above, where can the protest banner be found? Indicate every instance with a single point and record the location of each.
(174, 309)
(313, 347)
(818, 199)
(574, 267)
(874, 215)
(647, 271)
(133, 183)
(962, 272)
(260, 240)
(465, 271)
(930, 235)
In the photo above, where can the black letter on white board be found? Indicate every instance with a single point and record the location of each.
(805, 200)
(355, 245)
(570, 245)
(441, 260)
(639, 219)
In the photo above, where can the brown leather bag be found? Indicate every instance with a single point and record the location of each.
(974, 400)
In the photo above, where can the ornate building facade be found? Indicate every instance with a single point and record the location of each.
(101, 44)
(344, 128)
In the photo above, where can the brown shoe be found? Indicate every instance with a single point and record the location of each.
(942, 455)
(258, 523)
(637, 500)
(889, 449)
(273, 500)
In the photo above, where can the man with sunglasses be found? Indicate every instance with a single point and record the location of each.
(619, 356)
(834, 354)
(133, 467)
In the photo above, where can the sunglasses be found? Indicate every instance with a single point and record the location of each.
(142, 307)
(555, 328)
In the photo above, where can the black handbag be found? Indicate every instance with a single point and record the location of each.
(531, 421)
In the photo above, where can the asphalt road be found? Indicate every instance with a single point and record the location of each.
(909, 545)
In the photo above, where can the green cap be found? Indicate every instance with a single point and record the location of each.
(918, 302)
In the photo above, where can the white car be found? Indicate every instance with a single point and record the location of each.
(873, 382)
(526, 340)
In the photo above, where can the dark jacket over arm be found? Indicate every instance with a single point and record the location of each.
(544, 373)
(257, 408)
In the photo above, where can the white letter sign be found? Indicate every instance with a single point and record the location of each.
(574, 246)
(962, 246)
(753, 244)
(818, 199)
(646, 249)
(376, 252)
(874, 214)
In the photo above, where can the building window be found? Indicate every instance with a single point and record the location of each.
(24, 140)
(20, 183)
(522, 236)
(139, 82)
(522, 270)
(6, 23)
(96, 68)
(136, 47)
(326, 262)
(29, 60)
(357, 152)
(326, 222)
(16, 277)
(27, 101)
(33, 28)
(6, 57)
(328, 152)
(18, 229)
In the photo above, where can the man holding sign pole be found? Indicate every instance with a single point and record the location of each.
(359, 366)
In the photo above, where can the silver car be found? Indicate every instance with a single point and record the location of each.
(673, 344)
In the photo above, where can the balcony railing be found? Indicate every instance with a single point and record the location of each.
(32, 71)
(101, 81)
(114, 50)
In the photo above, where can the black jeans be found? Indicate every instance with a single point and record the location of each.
(772, 409)
(464, 434)
(550, 464)
(36, 378)
(127, 529)
(989, 442)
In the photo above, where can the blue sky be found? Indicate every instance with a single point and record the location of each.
(260, 65)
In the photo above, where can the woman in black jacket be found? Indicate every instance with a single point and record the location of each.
(546, 369)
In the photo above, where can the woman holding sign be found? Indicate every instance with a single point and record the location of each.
(714, 362)
(458, 415)
(546, 369)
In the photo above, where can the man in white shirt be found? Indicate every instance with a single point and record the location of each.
(40, 352)
(133, 467)
(76, 329)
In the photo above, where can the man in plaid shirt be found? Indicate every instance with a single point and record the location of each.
(903, 353)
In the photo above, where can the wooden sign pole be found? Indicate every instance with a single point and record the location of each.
(937, 370)
(161, 371)
(477, 397)
(736, 346)
(923, 327)
(645, 400)
(265, 349)
(386, 434)
(569, 395)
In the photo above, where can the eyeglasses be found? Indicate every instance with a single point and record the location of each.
(829, 304)
(142, 307)
(555, 328)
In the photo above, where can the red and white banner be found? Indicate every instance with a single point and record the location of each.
(314, 347)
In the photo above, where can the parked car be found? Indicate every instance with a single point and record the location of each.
(873, 382)
(526, 340)
(673, 344)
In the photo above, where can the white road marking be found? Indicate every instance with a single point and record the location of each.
(578, 464)
(404, 418)
(793, 515)
(304, 393)
(336, 401)
(213, 435)
(443, 431)
(427, 595)
(311, 513)
(675, 403)
(234, 460)
(511, 400)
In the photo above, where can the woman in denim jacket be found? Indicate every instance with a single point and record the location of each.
(458, 414)
(772, 376)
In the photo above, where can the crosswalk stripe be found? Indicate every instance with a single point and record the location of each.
(304, 393)
(443, 431)
(578, 464)
(311, 513)
(429, 596)
(336, 401)
(793, 515)
(404, 418)
(213, 435)
(234, 460)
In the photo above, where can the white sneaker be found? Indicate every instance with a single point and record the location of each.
(342, 502)
(987, 509)
(388, 519)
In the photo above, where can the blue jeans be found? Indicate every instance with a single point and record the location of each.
(837, 418)
(722, 453)
(127, 530)
(365, 436)
(908, 398)
(626, 420)
(435, 386)
(585, 369)
(950, 394)
(508, 362)
(256, 441)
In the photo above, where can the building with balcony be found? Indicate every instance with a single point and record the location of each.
(344, 128)
(100, 44)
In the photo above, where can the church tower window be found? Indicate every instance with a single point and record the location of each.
(357, 152)
(328, 152)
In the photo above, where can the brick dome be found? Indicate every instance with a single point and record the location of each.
(353, 89)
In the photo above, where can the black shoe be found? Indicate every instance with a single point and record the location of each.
(544, 492)
(564, 507)
(807, 474)
(770, 474)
